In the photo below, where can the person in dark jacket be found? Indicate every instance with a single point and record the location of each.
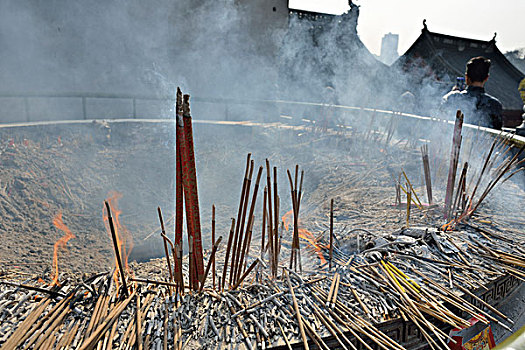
(478, 107)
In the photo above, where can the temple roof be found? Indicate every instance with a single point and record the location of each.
(445, 58)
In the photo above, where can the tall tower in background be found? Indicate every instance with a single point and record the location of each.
(389, 48)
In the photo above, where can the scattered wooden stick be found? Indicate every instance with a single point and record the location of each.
(17, 337)
(285, 337)
(297, 311)
(50, 292)
(332, 289)
(92, 341)
(158, 283)
(138, 324)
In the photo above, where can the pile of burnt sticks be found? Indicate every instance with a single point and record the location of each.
(342, 308)
(425, 276)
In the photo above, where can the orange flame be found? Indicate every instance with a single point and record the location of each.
(448, 226)
(124, 237)
(59, 244)
(287, 220)
(309, 237)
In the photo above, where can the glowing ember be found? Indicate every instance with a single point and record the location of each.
(59, 244)
(124, 237)
(287, 220)
(448, 226)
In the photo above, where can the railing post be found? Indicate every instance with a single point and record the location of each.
(134, 108)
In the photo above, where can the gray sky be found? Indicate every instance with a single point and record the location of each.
(477, 19)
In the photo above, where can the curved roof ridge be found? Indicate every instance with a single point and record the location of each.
(452, 37)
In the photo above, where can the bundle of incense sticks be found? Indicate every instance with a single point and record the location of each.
(295, 257)
(186, 190)
(240, 237)
(273, 206)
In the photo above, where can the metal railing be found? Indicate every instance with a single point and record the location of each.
(228, 103)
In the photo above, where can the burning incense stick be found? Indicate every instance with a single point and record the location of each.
(247, 237)
(276, 201)
(116, 248)
(191, 270)
(409, 185)
(211, 261)
(250, 231)
(241, 279)
(213, 242)
(270, 215)
(454, 158)
(331, 231)
(293, 193)
(426, 169)
(179, 191)
(493, 183)
(461, 188)
(409, 199)
(241, 215)
(263, 228)
(163, 233)
(191, 193)
(228, 248)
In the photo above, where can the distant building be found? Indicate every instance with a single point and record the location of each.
(517, 57)
(265, 21)
(389, 45)
(322, 50)
(441, 58)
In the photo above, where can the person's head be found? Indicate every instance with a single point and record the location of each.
(477, 72)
